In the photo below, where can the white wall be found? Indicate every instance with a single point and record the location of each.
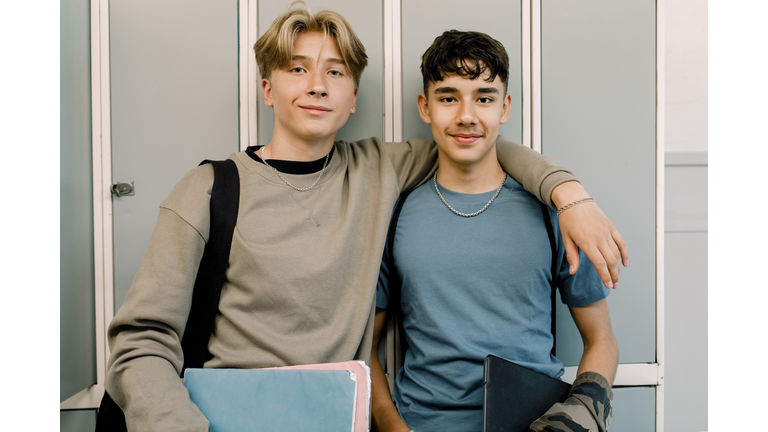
(686, 75)
(686, 217)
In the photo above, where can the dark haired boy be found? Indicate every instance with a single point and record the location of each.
(473, 259)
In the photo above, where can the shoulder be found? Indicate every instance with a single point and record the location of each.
(417, 194)
(190, 197)
(194, 186)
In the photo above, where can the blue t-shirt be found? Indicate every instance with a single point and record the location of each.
(472, 287)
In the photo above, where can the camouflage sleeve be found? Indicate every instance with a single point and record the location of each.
(589, 407)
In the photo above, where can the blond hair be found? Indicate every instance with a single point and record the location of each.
(275, 47)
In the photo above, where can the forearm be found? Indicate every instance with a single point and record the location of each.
(601, 356)
(385, 415)
(414, 161)
(144, 337)
(153, 398)
(537, 173)
(590, 403)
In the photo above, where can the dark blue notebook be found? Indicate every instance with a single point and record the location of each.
(235, 400)
(516, 396)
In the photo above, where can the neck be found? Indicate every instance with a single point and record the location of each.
(470, 179)
(291, 148)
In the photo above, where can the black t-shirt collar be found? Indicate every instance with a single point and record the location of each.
(290, 167)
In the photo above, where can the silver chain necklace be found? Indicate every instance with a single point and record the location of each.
(467, 215)
(264, 159)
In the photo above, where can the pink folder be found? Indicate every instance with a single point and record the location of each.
(363, 374)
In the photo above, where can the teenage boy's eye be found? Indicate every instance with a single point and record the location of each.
(297, 69)
(485, 100)
(448, 99)
(335, 73)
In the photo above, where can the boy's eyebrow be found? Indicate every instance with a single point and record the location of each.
(485, 90)
(481, 90)
(444, 90)
(328, 60)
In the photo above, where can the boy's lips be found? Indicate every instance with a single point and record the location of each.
(465, 138)
(315, 109)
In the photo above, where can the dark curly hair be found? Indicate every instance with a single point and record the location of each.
(466, 53)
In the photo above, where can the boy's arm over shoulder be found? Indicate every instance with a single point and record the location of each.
(145, 335)
(414, 161)
(537, 173)
(584, 226)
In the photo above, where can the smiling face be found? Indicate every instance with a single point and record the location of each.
(312, 95)
(465, 115)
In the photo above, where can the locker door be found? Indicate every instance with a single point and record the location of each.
(174, 88)
(598, 116)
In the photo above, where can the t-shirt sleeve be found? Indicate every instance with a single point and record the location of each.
(387, 276)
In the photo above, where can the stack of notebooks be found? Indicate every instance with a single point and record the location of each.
(329, 397)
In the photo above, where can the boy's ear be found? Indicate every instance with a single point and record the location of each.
(266, 88)
(505, 111)
(354, 102)
(421, 101)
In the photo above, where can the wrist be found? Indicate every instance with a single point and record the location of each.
(568, 192)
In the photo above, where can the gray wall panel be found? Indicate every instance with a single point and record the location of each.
(77, 421)
(634, 410)
(77, 353)
(366, 18)
(685, 208)
(174, 103)
(686, 348)
(599, 119)
(503, 24)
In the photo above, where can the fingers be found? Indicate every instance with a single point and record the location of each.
(571, 254)
(598, 260)
(610, 253)
(622, 245)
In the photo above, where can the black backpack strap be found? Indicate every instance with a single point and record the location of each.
(555, 270)
(225, 199)
(395, 287)
(110, 417)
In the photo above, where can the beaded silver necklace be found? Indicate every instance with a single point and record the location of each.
(298, 189)
(467, 215)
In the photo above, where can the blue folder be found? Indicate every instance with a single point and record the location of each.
(274, 399)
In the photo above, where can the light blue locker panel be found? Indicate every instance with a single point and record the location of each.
(599, 119)
(634, 410)
(77, 354)
(77, 421)
(175, 102)
(424, 20)
(366, 18)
